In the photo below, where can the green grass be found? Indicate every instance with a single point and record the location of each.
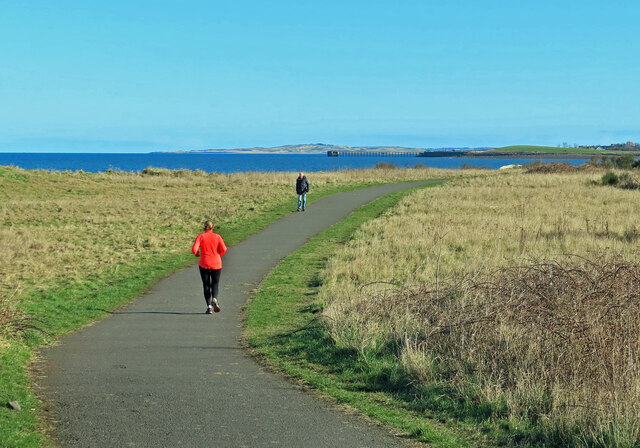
(544, 149)
(75, 302)
(10, 173)
(549, 150)
(17, 428)
(284, 329)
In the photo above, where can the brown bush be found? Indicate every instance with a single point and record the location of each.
(385, 166)
(549, 167)
(558, 339)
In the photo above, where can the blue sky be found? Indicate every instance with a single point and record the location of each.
(140, 76)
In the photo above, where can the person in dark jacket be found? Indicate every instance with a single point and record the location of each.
(302, 188)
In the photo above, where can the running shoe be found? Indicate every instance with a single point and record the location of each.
(216, 307)
(208, 310)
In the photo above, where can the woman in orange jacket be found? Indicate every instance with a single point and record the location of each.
(210, 247)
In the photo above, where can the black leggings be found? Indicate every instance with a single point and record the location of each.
(210, 280)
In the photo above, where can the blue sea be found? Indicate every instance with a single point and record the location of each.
(233, 163)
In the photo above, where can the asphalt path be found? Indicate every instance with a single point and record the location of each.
(159, 372)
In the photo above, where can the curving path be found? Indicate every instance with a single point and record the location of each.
(161, 373)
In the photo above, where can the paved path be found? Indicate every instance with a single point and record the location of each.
(161, 373)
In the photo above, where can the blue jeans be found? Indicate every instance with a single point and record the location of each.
(302, 200)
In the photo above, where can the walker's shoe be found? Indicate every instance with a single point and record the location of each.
(298, 210)
(216, 308)
(209, 308)
(302, 208)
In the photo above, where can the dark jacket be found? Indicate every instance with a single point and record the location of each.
(302, 185)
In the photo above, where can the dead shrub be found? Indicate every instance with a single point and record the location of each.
(558, 341)
(565, 330)
(549, 167)
(385, 166)
(629, 181)
(152, 171)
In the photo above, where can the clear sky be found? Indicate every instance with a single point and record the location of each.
(139, 76)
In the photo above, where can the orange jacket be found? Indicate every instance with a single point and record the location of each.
(211, 247)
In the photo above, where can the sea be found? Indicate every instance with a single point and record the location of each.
(234, 163)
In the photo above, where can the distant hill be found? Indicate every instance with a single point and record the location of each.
(584, 151)
(505, 151)
(531, 148)
(316, 148)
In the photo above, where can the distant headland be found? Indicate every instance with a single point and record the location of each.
(310, 148)
(522, 151)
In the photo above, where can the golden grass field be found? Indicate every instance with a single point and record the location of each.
(517, 289)
(58, 228)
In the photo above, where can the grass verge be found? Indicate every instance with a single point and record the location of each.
(17, 428)
(284, 329)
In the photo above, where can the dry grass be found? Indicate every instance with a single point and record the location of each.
(491, 221)
(449, 277)
(62, 227)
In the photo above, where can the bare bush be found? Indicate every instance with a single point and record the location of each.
(559, 340)
(629, 181)
(385, 166)
(549, 167)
